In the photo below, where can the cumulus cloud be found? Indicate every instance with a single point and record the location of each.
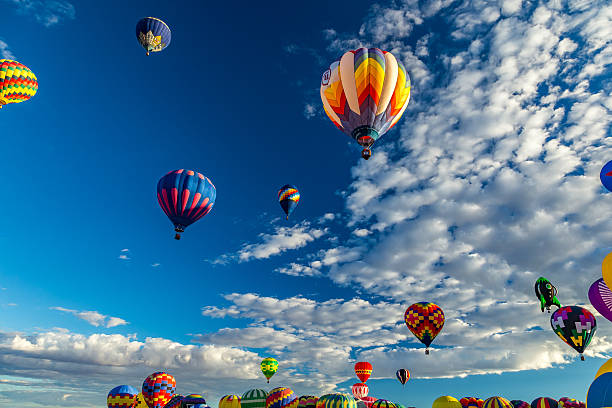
(94, 318)
(5, 52)
(46, 12)
(283, 239)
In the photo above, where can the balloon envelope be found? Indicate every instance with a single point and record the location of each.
(544, 402)
(229, 401)
(360, 390)
(575, 326)
(471, 402)
(600, 297)
(446, 401)
(605, 368)
(193, 401)
(140, 401)
(520, 404)
(269, 366)
(606, 175)
(497, 402)
(606, 270)
(175, 402)
(363, 370)
(546, 293)
(402, 375)
(255, 398)
(381, 403)
(153, 34)
(158, 389)
(17, 82)
(307, 401)
(288, 198)
(122, 396)
(365, 93)
(368, 401)
(600, 392)
(281, 397)
(425, 320)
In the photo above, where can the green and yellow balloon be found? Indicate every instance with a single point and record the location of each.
(269, 366)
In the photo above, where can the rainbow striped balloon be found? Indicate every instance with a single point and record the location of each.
(17, 82)
(381, 403)
(336, 400)
(307, 401)
(365, 93)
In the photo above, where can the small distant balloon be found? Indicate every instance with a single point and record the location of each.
(546, 293)
(288, 198)
(575, 326)
(402, 375)
(17, 82)
(606, 175)
(269, 366)
(153, 34)
(425, 320)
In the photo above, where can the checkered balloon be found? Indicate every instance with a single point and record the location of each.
(158, 389)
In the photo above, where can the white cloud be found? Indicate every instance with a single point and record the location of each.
(310, 110)
(94, 318)
(283, 239)
(155, 265)
(46, 12)
(362, 232)
(5, 52)
(295, 269)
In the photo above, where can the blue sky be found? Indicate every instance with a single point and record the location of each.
(490, 180)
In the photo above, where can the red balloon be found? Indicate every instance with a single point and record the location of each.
(368, 401)
(363, 369)
(158, 389)
(360, 390)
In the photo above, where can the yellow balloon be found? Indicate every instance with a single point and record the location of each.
(446, 402)
(606, 269)
(605, 368)
(140, 402)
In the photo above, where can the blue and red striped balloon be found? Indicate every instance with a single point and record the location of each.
(185, 196)
(288, 198)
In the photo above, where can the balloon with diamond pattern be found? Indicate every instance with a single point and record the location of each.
(158, 389)
(425, 320)
(575, 325)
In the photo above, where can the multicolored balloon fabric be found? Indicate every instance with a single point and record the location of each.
(544, 402)
(497, 402)
(307, 401)
(158, 389)
(567, 402)
(605, 368)
(382, 403)
(599, 394)
(193, 401)
(606, 175)
(360, 390)
(229, 401)
(471, 402)
(575, 326)
(269, 366)
(365, 93)
(520, 404)
(363, 370)
(122, 396)
(140, 401)
(185, 196)
(255, 398)
(281, 397)
(446, 401)
(600, 297)
(175, 402)
(17, 82)
(336, 400)
(606, 270)
(369, 400)
(288, 198)
(153, 34)
(402, 375)
(546, 293)
(425, 320)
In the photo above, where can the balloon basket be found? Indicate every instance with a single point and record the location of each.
(582, 357)
(426, 352)
(366, 153)
(177, 236)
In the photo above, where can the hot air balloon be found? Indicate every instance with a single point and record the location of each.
(600, 297)
(520, 404)
(269, 366)
(544, 402)
(402, 375)
(307, 401)
(185, 196)
(606, 270)
(175, 402)
(381, 403)
(229, 401)
(365, 93)
(471, 402)
(158, 389)
(599, 394)
(140, 401)
(193, 401)
(17, 82)
(281, 397)
(122, 396)
(497, 402)
(425, 320)
(254, 398)
(153, 34)
(606, 175)
(546, 293)
(446, 401)
(368, 401)
(605, 368)
(336, 400)
(288, 197)
(567, 402)
(575, 326)
(360, 390)
(363, 369)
